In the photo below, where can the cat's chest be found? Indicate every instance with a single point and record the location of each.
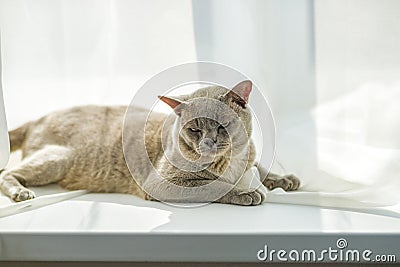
(223, 170)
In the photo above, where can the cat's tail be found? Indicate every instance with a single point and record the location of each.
(17, 136)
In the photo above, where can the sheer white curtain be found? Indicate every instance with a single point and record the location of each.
(60, 53)
(4, 140)
(330, 70)
(357, 114)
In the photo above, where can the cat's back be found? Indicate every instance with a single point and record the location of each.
(80, 127)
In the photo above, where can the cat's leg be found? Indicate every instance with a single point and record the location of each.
(242, 197)
(45, 166)
(195, 190)
(287, 182)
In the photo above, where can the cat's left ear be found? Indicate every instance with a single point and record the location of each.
(176, 104)
(240, 93)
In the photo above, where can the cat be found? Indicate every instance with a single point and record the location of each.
(208, 134)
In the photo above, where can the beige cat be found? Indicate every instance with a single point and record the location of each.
(82, 148)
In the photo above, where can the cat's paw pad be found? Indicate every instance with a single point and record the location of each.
(248, 198)
(287, 182)
(22, 194)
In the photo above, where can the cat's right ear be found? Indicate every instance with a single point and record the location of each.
(173, 103)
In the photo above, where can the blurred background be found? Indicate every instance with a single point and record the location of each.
(329, 68)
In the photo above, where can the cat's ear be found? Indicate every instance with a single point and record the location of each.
(176, 104)
(240, 93)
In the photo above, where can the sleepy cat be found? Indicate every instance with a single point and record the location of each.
(205, 142)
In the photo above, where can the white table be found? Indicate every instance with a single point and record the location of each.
(116, 227)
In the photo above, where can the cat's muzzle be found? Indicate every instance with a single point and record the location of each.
(208, 147)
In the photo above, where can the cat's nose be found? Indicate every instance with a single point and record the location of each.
(209, 143)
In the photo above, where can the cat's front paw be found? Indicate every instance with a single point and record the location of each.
(243, 197)
(22, 194)
(249, 198)
(287, 182)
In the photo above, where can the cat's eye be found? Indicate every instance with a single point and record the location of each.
(222, 127)
(226, 124)
(194, 130)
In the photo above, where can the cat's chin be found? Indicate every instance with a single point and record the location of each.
(208, 156)
(211, 156)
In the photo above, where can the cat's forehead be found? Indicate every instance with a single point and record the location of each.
(210, 92)
(213, 109)
(203, 122)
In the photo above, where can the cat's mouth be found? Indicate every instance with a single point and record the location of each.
(208, 151)
(215, 150)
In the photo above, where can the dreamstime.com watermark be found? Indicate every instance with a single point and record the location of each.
(340, 253)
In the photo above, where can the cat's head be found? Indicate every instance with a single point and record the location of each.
(214, 120)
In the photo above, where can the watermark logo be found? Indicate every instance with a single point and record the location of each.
(341, 253)
(341, 243)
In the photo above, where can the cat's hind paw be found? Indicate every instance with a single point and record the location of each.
(22, 194)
